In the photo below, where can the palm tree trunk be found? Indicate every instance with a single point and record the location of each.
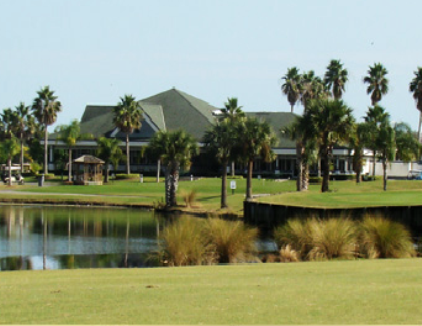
(158, 170)
(107, 170)
(305, 177)
(233, 169)
(299, 166)
(291, 108)
(249, 181)
(419, 128)
(45, 150)
(9, 165)
(224, 186)
(127, 155)
(325, 170)
(70, 165)
(172, 180)
(21, 158)
(373, 167)
(384, 166)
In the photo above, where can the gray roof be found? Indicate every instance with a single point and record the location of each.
(277, 120)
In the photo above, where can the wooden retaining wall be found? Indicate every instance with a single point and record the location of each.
(268, 216)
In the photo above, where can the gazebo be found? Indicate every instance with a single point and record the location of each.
(88, 170)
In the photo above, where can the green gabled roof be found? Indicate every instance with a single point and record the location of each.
(155, 113)
(184, 111)
(97, 120)
(277, 120)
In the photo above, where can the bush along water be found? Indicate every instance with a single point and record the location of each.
(342, 238)
(192, 241)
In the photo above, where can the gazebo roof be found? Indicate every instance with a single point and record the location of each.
(88, 159)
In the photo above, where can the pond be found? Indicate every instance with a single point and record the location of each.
(47, 237)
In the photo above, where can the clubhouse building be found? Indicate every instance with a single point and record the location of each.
(174, 109)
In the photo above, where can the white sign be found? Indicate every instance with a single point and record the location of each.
(232, 185)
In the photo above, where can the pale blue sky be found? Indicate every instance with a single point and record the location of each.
(94, 51)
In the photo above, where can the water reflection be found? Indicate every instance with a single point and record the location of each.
(37, 237)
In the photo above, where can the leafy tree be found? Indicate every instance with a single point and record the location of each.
(415, 87)
(10, 147)
(255, 140)
(330, 122)
(24, 127)
(292, 86)
(127, 117)
(175, 150)
(221, 139)
(408, 147)
(45, 108)
(108, 150)
(70, 135)
(335, 78)
(377, 82)
(375, 117)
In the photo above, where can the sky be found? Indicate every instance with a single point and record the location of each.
(96, 51)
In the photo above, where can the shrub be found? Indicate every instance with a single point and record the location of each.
(48, 176)
(315, 180)
(380, 237)
(231, 241)
(35, 168)
(183, 243)
(132, 176)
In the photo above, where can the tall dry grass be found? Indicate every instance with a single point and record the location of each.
(232, 241)
(383, 238)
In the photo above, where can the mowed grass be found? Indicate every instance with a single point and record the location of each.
(335, 292)
(343, 194)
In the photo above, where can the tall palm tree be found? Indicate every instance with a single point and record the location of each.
(24, 127)
(175, 150)
(255, 140)
(233, 113)
(386, 145)
(377, 82)
(408, 147)
(6, 120)
(415, 87)
(335, 78)
(358, 141)
(330, 123)
(292, 86)
(221, 139)
(108, 148)
(375, 117)
(45, 108)
(127, 117)
(70, 135)
(10, 147)
(312, 87)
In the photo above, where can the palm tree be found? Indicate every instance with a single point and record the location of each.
(70, 135)
(377, 82)
(127, 117)
(358, 141)
(175, 150)
(330, 122)
(10, 147)
(312, 87)
(220, 139)
(335, 78)
(300, 132)
(415, 87)
(292, 86)
(24, 127)
(374, 118)
(108, 149)
(45, 109)
(255, 140)
(6, 120)
(232, 113)
(386, 145)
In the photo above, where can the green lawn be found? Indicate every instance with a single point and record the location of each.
(335, 292)
(342, 194)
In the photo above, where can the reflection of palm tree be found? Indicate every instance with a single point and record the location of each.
(44, 242)
(127, 241)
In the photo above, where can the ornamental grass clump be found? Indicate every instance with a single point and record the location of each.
(383, 238)
(231, 241)
(333, 238)
(289, 255)
(183, 243)
(296, 234)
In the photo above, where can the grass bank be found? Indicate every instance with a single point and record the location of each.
(335, 292)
